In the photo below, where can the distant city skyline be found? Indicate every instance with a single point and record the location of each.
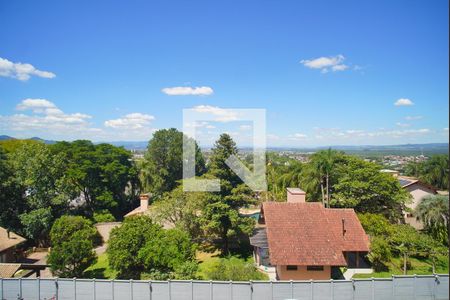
(327, 73)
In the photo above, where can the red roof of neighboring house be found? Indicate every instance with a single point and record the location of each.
(309, 234)
(12, 240)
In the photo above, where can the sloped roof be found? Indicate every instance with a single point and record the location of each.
(309, 234)
(259, 238)
(8, 270)
(11, 241)
(406, 181)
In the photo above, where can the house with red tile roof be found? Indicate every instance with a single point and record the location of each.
(305, 240)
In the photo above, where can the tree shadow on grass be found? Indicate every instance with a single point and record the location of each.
(98, 273)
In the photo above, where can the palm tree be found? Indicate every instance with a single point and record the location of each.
(319, 172)
(435, 171)
(433, 212)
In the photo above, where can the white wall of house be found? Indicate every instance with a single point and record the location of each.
(417, 191)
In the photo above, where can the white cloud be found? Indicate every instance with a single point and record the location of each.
(130, 121)
(45, 118)
(400, 133)
(21, 71)
(400, 124)
(200, 124)
(297, 136)
(446, 129)
(187, 90)
(413, 118)
(403, 102)
(245, 127)
(339, 68)
(220, 114)
(41, 117)
(325, 64)
(354, 131)
(273, 137)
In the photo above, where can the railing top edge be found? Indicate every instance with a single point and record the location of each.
(234, 282)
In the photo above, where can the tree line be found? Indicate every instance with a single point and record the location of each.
(50, 192)
(40, 183)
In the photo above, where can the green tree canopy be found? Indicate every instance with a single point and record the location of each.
(362, 186)
(220, 216)
(103, 175)
(168, 252)
(72, 239)
(375, 224)
(322, 173)
(41, 173)
(433, 171)
(181, 209)
(282, 173)
(12, 202)
(163, 165)
(140, 245)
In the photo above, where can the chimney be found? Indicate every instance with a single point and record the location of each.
(144, 201)
(295, 195)
(343, 227)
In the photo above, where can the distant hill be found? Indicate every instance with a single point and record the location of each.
(37, 139)
(138, 145)
(379, 150)
(363, 150)
(6, 138)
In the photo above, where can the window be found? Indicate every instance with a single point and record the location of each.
(291, 268)
(314, 268)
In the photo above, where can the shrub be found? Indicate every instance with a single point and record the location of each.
(103, 216)
(233, 268)
(142, 249)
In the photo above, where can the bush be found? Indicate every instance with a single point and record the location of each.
(126, 241)
(142, 249)
(233, 268)
(380, 253)
(103, 216)
(72, 239)
(187, 271)
(168, 251)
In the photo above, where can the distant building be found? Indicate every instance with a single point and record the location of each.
(8, 245)
(305, 240)
(418, 191)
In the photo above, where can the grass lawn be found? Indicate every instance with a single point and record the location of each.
(206, 260)
(209, 260)
(100, 269)
(418, 267)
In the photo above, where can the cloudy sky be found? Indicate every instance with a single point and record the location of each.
(326, 72)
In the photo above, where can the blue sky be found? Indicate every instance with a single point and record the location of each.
(327, 72)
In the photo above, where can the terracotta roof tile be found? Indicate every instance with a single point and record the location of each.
(11, 241)
(309, 234)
